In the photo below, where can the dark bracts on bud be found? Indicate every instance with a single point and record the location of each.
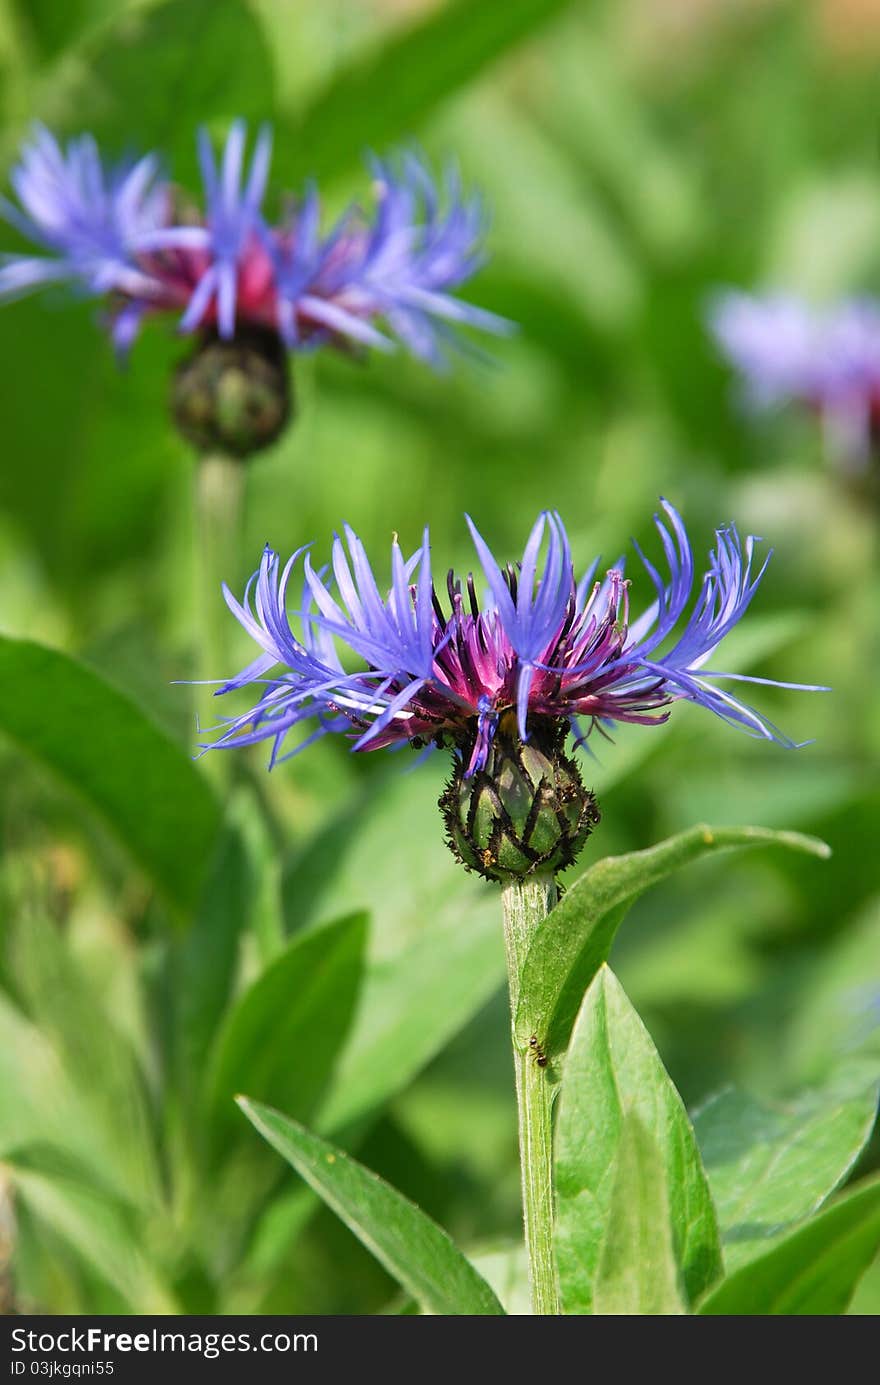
(233, 396)
(527, 811)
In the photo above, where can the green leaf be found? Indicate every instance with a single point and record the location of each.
(266, 914)
(203, 965)
(100, 1231)
(108, 751)
(575, 938)
(205, 61)
(771, 1166)
(814, 1270)
(637, 1273)
(41, 1107)
(98, 1063)
(836, 1014)
(412, 1005)
(412, 1248)
(283, 1035)
(51, 26)
(73, 426)
(382, 96)
(613, 1069)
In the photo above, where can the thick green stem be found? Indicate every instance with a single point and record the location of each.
(525, 904)
(219, 489)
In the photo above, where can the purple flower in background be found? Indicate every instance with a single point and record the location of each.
(374, 277)
(86, 219)
(541, 655)
(826, 360)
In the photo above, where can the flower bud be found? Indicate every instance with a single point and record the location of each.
(233, 396)
(526, 811)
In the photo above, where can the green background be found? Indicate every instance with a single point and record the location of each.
(635, 157)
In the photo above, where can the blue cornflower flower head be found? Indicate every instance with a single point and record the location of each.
(786, 351)
(501, 682)
(252, 290)
(116, 231)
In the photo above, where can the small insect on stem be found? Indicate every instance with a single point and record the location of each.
(538, 1053)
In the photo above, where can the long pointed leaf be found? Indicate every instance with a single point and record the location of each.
(414, 72)
(283, 1035)
(814, 1270)
(575, 939)
(770, 1166)
(613, 1069)
(412, 1247)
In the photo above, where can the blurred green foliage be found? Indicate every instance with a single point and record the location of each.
(633, 162)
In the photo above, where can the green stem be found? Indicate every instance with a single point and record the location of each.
(525, 904)
(219, 490)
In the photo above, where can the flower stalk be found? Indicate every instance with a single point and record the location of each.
(525, 903)
(219, 493)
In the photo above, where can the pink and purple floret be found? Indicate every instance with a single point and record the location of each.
(542, 652)
(119, 233)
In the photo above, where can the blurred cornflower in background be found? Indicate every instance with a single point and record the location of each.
(118, 231)
(826, 359)
(248, 287)
(543, 655)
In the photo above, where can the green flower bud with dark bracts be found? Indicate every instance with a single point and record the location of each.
(526, 811)
(233, 396)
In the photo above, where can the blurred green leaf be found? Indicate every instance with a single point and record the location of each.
(637, 1274)
(191, 62)
(839, 1014)
(771, 1166)
(810, 789)
(613, 1069)
(383, 851)
(814, 1270)
(575, 938)
(865, 1302)
(383, 95)
(97, 1061)
(411, 1006)
(266, 908)
(601, 118)
(565, 241)
(40, 1106)
(283, 1035)
(412, 1248)
(109, 752)
(73, 420)
(203, 964)
(51, 26)
(101, 1231)
(275, 1231)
